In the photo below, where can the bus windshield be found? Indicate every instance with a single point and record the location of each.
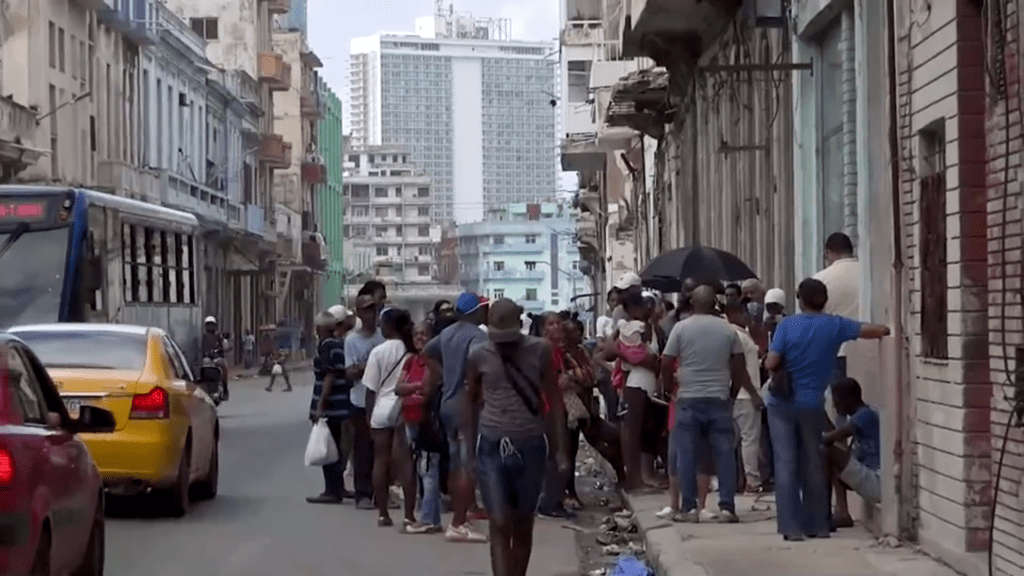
(32, 277)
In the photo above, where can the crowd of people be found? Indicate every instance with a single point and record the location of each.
(481, 403)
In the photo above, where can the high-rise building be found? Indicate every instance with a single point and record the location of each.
(476, 110)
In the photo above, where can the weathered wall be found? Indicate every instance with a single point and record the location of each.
(734, 132)
(1003, 125)
(938, 82)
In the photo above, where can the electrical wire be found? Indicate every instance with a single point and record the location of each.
(995, 489)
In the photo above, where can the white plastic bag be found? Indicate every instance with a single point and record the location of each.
(277, 370)
(321, 449)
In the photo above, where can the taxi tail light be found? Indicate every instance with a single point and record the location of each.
(152, 405)
(6, 467)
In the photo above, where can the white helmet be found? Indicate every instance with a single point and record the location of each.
(210, 320)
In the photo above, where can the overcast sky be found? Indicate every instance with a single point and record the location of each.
(332, 24)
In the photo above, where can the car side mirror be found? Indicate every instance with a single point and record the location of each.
(95, 420)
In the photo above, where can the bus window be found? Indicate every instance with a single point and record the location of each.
(93, 270)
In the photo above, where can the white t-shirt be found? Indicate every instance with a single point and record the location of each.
(637, 377)
(383, 369)
(753, 365)
(605, 327)
(842, 279)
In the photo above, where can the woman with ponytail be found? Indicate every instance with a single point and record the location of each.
(383, 371)
(513, 407)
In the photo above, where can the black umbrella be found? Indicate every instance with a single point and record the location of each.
(704, 265)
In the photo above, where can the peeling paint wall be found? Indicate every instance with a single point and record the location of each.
(725, 165)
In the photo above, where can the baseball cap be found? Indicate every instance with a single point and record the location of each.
(467, 303)
(775, 296)
(210, 320)
(627, 281)
(339, 312)
(325, 320)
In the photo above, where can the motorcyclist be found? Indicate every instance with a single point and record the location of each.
(213, 349)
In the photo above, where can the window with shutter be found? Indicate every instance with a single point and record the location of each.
(934, 312)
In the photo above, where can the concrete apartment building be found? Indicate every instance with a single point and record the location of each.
(388, 217)
(475, 109)
(900, 128)
(524, 252)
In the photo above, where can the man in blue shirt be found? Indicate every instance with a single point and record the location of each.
(805, 346)
(857, 471)
(446, 357)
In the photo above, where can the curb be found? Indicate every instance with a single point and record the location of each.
(661, 540)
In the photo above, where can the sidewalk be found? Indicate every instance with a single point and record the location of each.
(753, 548)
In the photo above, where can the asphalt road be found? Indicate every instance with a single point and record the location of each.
(260, 524)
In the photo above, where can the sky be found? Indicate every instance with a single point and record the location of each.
(332, 24)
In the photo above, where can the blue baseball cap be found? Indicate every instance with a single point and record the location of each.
(467, 303)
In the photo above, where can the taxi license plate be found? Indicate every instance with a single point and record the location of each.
(73, 405)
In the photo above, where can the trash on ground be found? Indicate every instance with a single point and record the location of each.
(630, 566)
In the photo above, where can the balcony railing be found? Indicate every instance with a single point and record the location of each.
(129, 18)
(279, 6)
(310, 106)
(275, 71)
(275, 151)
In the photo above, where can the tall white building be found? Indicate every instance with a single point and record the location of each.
(475, 110)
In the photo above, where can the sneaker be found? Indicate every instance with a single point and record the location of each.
(690, 517)
(365, 504)
(665, 513)
(728, 517)
(464, 533)
(418, 528)
(708, 516)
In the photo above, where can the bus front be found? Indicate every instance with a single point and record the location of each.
(36, 231)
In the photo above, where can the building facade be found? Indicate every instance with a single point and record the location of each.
(389, 203)
(476, 113)
(524, 252)
(330, 201)
(897, 123)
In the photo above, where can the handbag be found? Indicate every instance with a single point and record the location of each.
(395, 415)
(781, 384)
(321, 450)
(575, 410)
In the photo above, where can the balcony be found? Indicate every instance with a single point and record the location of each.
(18, 131)
(130, 19)
(662, 29)
(314, 251)
(582, 154)
(586, 231)
(275, 71)
(255, 219)
(583, 33)
(639, 102)
(310, 106)
(514, 275)
(314, 172)
(279, 6)
(275, 151)
(125, 180)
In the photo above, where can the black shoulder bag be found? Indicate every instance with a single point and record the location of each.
(781, 384)
(530, 402)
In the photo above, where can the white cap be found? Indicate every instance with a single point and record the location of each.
(210, 320)
(627, 281)
(339, 312)
(325, 320)
(775, 296)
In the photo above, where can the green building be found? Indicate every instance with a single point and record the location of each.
(330, 205)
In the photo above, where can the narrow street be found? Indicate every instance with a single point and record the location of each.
(260, 524)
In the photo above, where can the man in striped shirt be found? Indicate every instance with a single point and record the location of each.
(331, 397)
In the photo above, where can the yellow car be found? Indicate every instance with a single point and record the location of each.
(167, 430)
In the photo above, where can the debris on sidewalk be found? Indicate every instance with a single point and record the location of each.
(630, 566)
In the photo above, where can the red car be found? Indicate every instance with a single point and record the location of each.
(51, 494)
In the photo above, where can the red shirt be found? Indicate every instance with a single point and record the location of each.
(414, 372)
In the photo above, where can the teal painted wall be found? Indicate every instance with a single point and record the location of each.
(330, 206)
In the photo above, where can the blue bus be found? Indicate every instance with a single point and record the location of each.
(72, 255)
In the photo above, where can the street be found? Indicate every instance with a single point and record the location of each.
(260, 524)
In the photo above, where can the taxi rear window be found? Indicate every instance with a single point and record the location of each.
(94, 350)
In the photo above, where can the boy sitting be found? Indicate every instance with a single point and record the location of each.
(857, 471)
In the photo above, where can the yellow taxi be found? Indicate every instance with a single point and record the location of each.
(167, 430)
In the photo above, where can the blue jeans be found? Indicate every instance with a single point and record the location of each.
(510, 473)
(697, 419)
(801, 485)
(456, 444)
(429, 468)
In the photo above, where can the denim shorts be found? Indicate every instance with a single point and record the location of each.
(510, 474)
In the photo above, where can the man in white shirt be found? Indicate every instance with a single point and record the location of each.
(745, 411)
(842, 279)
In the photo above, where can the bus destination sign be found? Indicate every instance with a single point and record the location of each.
(23, 211)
